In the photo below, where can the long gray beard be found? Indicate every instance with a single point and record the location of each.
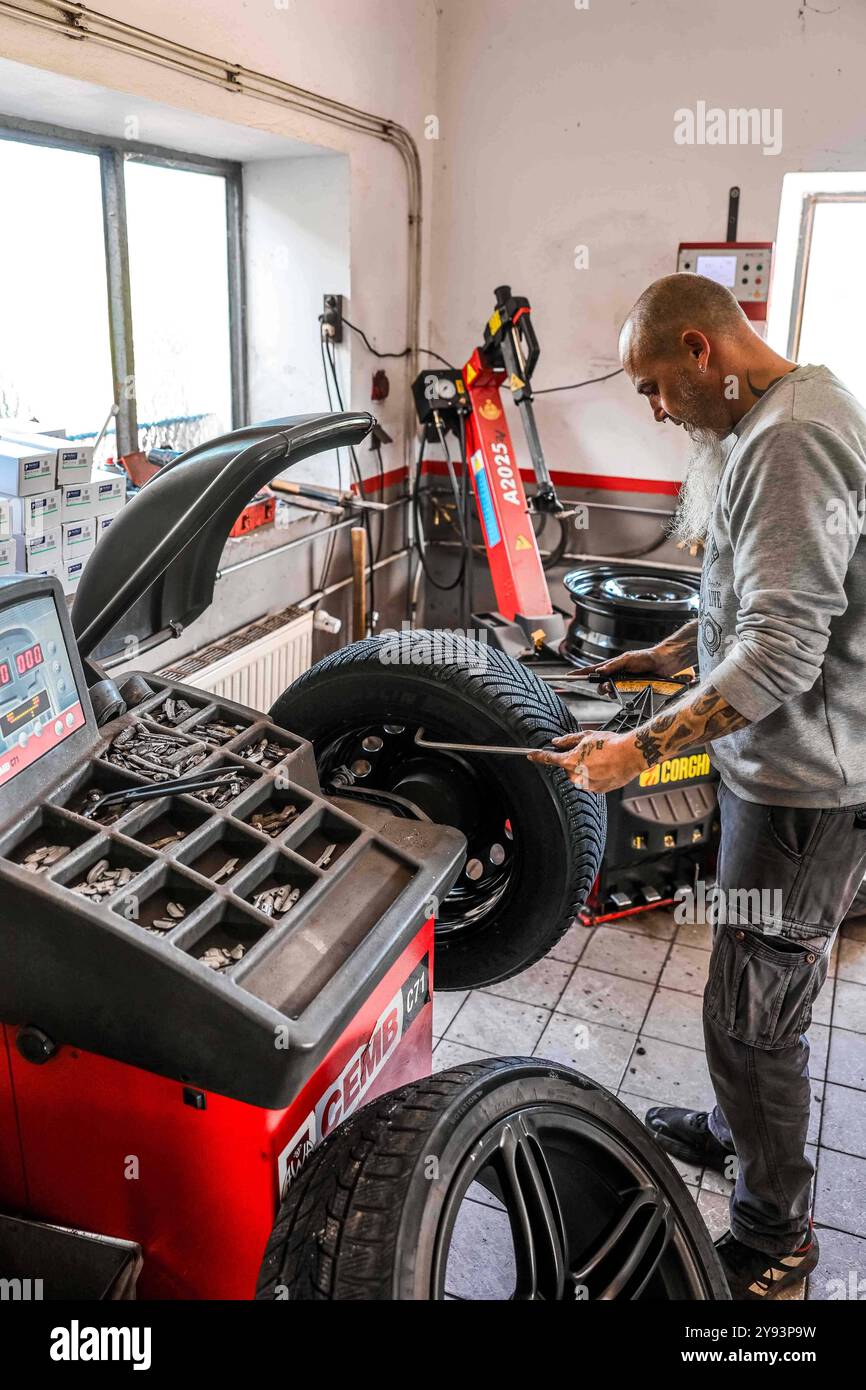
(697, 497)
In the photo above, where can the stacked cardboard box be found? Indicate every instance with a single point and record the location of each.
(53, 505)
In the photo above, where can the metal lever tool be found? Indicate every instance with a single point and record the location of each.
(422, 742)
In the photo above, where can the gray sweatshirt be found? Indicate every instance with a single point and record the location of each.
(782, 632)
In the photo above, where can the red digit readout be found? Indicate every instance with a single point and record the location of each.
(29, 659)
(5, 673)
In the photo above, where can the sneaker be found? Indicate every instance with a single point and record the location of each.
(753, 1275)
(687, 1135)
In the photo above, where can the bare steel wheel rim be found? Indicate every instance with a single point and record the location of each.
(450, 789)
(588, 1220)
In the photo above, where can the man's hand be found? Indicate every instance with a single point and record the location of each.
(598, 762)
(667, 658)
(601, 762)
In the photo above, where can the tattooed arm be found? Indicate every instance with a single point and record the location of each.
(703, 714)
(601, 761)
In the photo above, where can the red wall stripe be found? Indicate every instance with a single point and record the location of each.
(605, 482)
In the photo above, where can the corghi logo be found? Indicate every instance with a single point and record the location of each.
(676, 770)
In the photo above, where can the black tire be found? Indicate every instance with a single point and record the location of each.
(553, 836)
(373, 1213)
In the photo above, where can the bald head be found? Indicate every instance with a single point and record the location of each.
(671, 307)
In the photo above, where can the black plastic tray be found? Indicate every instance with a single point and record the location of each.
(95, 975)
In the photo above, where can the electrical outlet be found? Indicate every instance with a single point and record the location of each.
(332, 318)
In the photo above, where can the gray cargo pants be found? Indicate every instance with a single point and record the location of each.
(786, 878)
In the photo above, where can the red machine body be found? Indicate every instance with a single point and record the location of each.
(519, 581)
(194, 1178)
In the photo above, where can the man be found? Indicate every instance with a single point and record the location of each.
(779, 470)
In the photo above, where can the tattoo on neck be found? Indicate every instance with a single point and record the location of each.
(762, 390)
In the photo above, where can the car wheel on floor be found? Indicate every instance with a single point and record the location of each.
(545, 1172)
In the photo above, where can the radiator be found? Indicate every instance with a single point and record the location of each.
(253, 665)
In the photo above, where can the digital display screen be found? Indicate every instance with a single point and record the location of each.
(39, 702)
(722, 269)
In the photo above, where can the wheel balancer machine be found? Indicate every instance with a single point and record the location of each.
(205, 962)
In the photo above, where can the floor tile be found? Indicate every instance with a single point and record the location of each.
(816, 1111)
(571, 946)
(852, 961)
(844, 1124)
(481, 1263)
(819, 1042)
(450, 1054)
(841, 1275)
(847, 1061)
(445, 1006)
(698, 935)
(624, 953)
(717, 1182)
(676, 1017)
(500, 1027)
(541, 984)
(659, 924)
(716, 1213)
(840, 1192)
(822, 1007)
(599, 1052)
(604, 998)
(671, 1070)
(686, 969)
(849, 1006)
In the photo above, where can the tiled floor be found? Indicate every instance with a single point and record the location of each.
(622, 1003)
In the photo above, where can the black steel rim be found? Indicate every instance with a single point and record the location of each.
(608, 588)
(589, 1221)
(451, 789)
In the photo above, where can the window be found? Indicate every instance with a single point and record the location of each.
(55, 355)
(819, 288)
(127, 290)
(832, 288)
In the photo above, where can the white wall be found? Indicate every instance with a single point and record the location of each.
(376, 54)
(297, 238)
(557, 130)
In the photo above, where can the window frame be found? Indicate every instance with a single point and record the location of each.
(801, 267)
(113, 154)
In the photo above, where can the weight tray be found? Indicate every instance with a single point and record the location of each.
(93, 975)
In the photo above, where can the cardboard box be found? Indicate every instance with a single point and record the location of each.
(17, 425)
(69, 573)
(40, 551)
(78, 537)
(25, 471)
(103, 523)
(29, 516)
(78, 502)
(12, 556)
(109, 494)
(74, 462)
